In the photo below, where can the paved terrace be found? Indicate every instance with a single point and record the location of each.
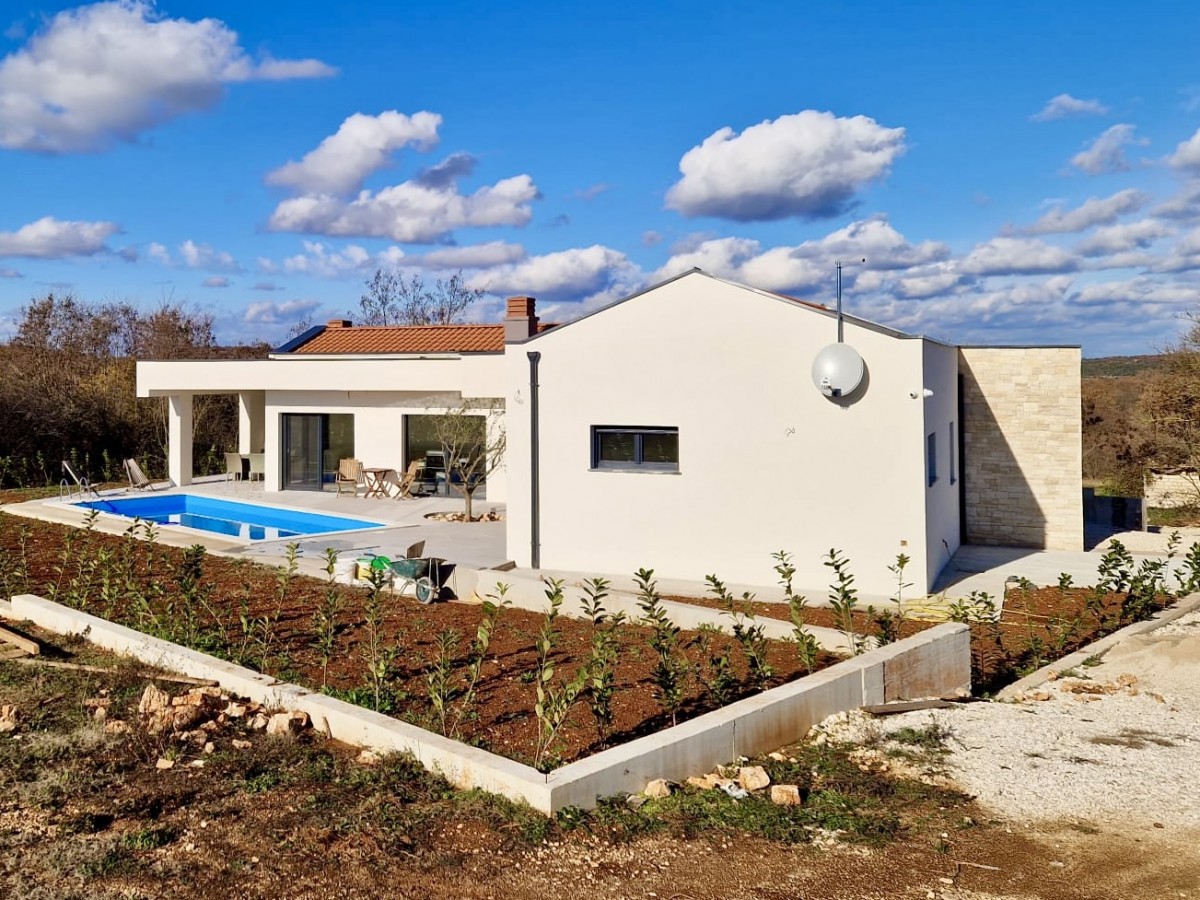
(481, 545)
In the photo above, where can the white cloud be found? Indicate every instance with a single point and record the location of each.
(215, 281)
(1187, 154)
(1107, 152)
(411, 212)
(472, 256)
(1093, 211)
(266, 286)
(159, 253)
(268, 312)
(810, 164)
(1121, 238)
(9, 273)
(1135, 292)
(361, 146)
(651, 238)
(1017, 256)
(103, 73)
(1184, 256)
(318, 259)
(1065, 105)
(928, 281)
(568, 275)
(1184, 205)
(202, 256)
(807, 265)
(50, 238)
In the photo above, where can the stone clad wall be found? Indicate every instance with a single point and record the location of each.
(1022, 446)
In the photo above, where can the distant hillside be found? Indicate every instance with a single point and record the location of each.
(1115, 366)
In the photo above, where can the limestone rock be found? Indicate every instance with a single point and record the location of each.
(116, 726)
(239, 744)
(9, 716)
(154, 699)
(287, 722)
(658, 789)
(785, 795)
(753, 778)
(258, 722)
(368, 758)
(164, 763)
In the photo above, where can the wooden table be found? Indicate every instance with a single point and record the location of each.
(377, 481)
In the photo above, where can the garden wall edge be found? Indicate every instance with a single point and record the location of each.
(935, 662)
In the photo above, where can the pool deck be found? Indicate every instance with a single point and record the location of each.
(479, 545)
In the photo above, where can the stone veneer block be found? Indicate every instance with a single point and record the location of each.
(1022, 446)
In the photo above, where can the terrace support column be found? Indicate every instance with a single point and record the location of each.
(252, 416)
(179, 438)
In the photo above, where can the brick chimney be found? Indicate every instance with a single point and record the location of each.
(520, 322)
(338, 323)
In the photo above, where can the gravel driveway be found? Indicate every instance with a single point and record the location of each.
(1120, 743)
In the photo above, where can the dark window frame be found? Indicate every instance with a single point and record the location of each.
(638, 463)
(931, 472)
(953, 454)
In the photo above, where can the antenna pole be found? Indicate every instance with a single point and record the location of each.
(839, 300)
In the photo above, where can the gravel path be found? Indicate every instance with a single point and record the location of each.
(1128, 753)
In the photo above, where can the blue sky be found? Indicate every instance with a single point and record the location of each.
(1017, 173)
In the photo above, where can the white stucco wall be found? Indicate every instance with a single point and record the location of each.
(379, 435)
(378, 391)
(766, 462)
(942, 497)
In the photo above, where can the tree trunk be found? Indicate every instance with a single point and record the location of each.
(467, 495)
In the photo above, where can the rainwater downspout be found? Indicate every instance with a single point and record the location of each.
(535, 542)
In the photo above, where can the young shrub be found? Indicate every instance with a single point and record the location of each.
(843, 598)
(717, 677)
(451, 705)
(553, 703)
(378, 659)
(325, 617)
(1189, 571)
(750, 637)
(671, 666)
(807, 648)
(604, 655)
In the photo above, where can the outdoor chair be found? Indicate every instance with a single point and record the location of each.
(233, 467)
(258, 466)
(411, 479)
(350, 476)
(82, 485)
(137, 478)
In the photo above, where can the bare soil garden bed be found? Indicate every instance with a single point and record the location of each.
(1035, 626)
(271, 619)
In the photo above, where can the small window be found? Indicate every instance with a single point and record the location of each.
(931, 458)
(651, 449)
(953, 454)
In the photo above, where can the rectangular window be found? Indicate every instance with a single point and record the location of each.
(931, 458)
(953, 454)
(648, 449)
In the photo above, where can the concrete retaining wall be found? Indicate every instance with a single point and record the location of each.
(935, 662)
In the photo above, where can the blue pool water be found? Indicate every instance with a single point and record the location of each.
(247, 521)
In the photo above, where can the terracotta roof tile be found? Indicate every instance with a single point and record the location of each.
(409, 339)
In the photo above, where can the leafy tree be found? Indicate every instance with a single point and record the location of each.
(393, 299)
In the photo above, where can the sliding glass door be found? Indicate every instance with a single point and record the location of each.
(313, 444)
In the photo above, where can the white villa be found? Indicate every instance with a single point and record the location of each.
(680, 429)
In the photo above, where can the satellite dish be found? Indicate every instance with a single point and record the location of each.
(837, 371)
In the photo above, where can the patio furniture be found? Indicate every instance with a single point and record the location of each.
(137, 478)
(410, 480)
(376, 479)
(349, 476)
(65, 489)
(233, 467)
(258, 465)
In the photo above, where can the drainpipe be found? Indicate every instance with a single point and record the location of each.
(535, 543)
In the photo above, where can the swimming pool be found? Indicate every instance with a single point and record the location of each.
(247, 521)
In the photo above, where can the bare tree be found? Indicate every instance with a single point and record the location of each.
(473, 438)
(392, 299)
